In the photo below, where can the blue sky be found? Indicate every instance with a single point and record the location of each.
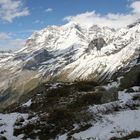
(19, 18)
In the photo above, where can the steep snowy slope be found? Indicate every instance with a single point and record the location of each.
(69, 45)
(68, 53)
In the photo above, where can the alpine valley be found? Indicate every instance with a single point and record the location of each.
(72, 82)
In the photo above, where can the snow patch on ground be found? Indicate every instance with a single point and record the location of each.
(136, 88)
(117, 124)
(28, 104)
(6, 124)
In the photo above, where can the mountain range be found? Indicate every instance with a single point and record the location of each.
(72, 53)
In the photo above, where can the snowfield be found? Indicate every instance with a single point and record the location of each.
(114, 125)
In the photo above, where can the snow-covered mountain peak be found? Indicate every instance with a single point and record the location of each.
(62, 37)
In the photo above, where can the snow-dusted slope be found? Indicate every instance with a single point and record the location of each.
(67, 53)
(71, 54)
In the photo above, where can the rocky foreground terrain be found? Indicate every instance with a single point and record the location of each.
(70, 83)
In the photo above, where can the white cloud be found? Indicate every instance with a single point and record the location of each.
(38, 21)
(111, 20)
(7, 42)
(12, 44)
(4, 36)
(11, 9)
(17, 43)
(49, 10)
(136, 7)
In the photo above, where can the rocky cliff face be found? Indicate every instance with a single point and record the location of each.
(68, 53)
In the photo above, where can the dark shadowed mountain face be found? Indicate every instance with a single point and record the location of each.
(134, 24)
(37, 58)
(97, 43)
